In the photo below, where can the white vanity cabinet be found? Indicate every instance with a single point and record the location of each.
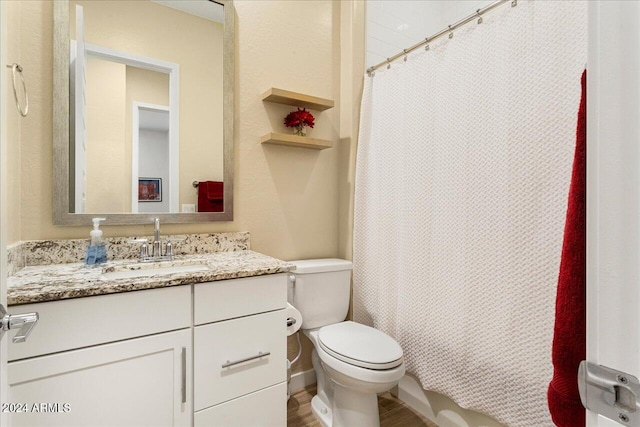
(210, 354)
(111, 360)
(240, 354)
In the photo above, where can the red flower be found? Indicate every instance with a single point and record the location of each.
(299, 118)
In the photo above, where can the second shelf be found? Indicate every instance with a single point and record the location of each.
(295, 141)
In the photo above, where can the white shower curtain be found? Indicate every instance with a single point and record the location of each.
(463, 169)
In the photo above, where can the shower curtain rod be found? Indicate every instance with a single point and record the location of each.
(449, 30)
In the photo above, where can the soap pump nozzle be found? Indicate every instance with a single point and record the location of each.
(96, 233)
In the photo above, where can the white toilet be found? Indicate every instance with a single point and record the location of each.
(353, 362)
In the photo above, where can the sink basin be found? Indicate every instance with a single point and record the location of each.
(143, 270)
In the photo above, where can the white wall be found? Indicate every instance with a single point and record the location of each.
(396, 25)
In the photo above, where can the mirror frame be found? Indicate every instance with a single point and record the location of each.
(61, 214)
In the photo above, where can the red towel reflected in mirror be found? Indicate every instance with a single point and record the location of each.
(210, 196)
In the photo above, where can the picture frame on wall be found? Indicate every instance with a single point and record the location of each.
(150, 189)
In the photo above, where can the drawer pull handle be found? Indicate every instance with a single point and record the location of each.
(183, 385)
(246, 359)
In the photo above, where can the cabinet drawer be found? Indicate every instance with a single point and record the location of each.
(264, 408)
(235, 340)
(228, 299)
(82, 322)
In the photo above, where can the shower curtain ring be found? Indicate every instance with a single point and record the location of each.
(479, 16)
(450, 32)
(514, 3)
(426, 46)
(388, 63)
(405, 54)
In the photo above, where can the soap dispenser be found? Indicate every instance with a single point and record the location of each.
(96, 251)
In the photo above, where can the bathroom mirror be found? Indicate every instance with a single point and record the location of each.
(143, 111)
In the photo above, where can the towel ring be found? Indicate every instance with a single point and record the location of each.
(23, 112)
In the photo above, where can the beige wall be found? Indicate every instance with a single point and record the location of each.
(13, 124)
(352, 55)
(30, 146)
(106, 185)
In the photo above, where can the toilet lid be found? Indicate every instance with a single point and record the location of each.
(360, 345)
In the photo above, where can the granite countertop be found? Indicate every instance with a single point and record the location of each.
(75, 280)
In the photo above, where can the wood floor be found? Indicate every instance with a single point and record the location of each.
(393, 413)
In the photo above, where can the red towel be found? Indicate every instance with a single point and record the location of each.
(569, 341)
(210, 196)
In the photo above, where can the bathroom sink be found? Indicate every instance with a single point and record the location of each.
(142, 270)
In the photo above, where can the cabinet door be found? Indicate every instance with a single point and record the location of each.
(139, 382)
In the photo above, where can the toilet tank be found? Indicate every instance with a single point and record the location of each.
(321, 291)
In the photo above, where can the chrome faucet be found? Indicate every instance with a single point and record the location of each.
(156, 247)
(156, 229)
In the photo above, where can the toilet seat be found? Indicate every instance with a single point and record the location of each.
(360, 345)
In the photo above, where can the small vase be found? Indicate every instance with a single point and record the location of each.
(299, 130)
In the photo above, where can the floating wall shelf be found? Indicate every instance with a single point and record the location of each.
(296, 99)
(296, 141)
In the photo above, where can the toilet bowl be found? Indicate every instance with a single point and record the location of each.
(353, 362)
(351, 385)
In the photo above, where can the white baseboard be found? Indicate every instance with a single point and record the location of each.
(302, 380)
